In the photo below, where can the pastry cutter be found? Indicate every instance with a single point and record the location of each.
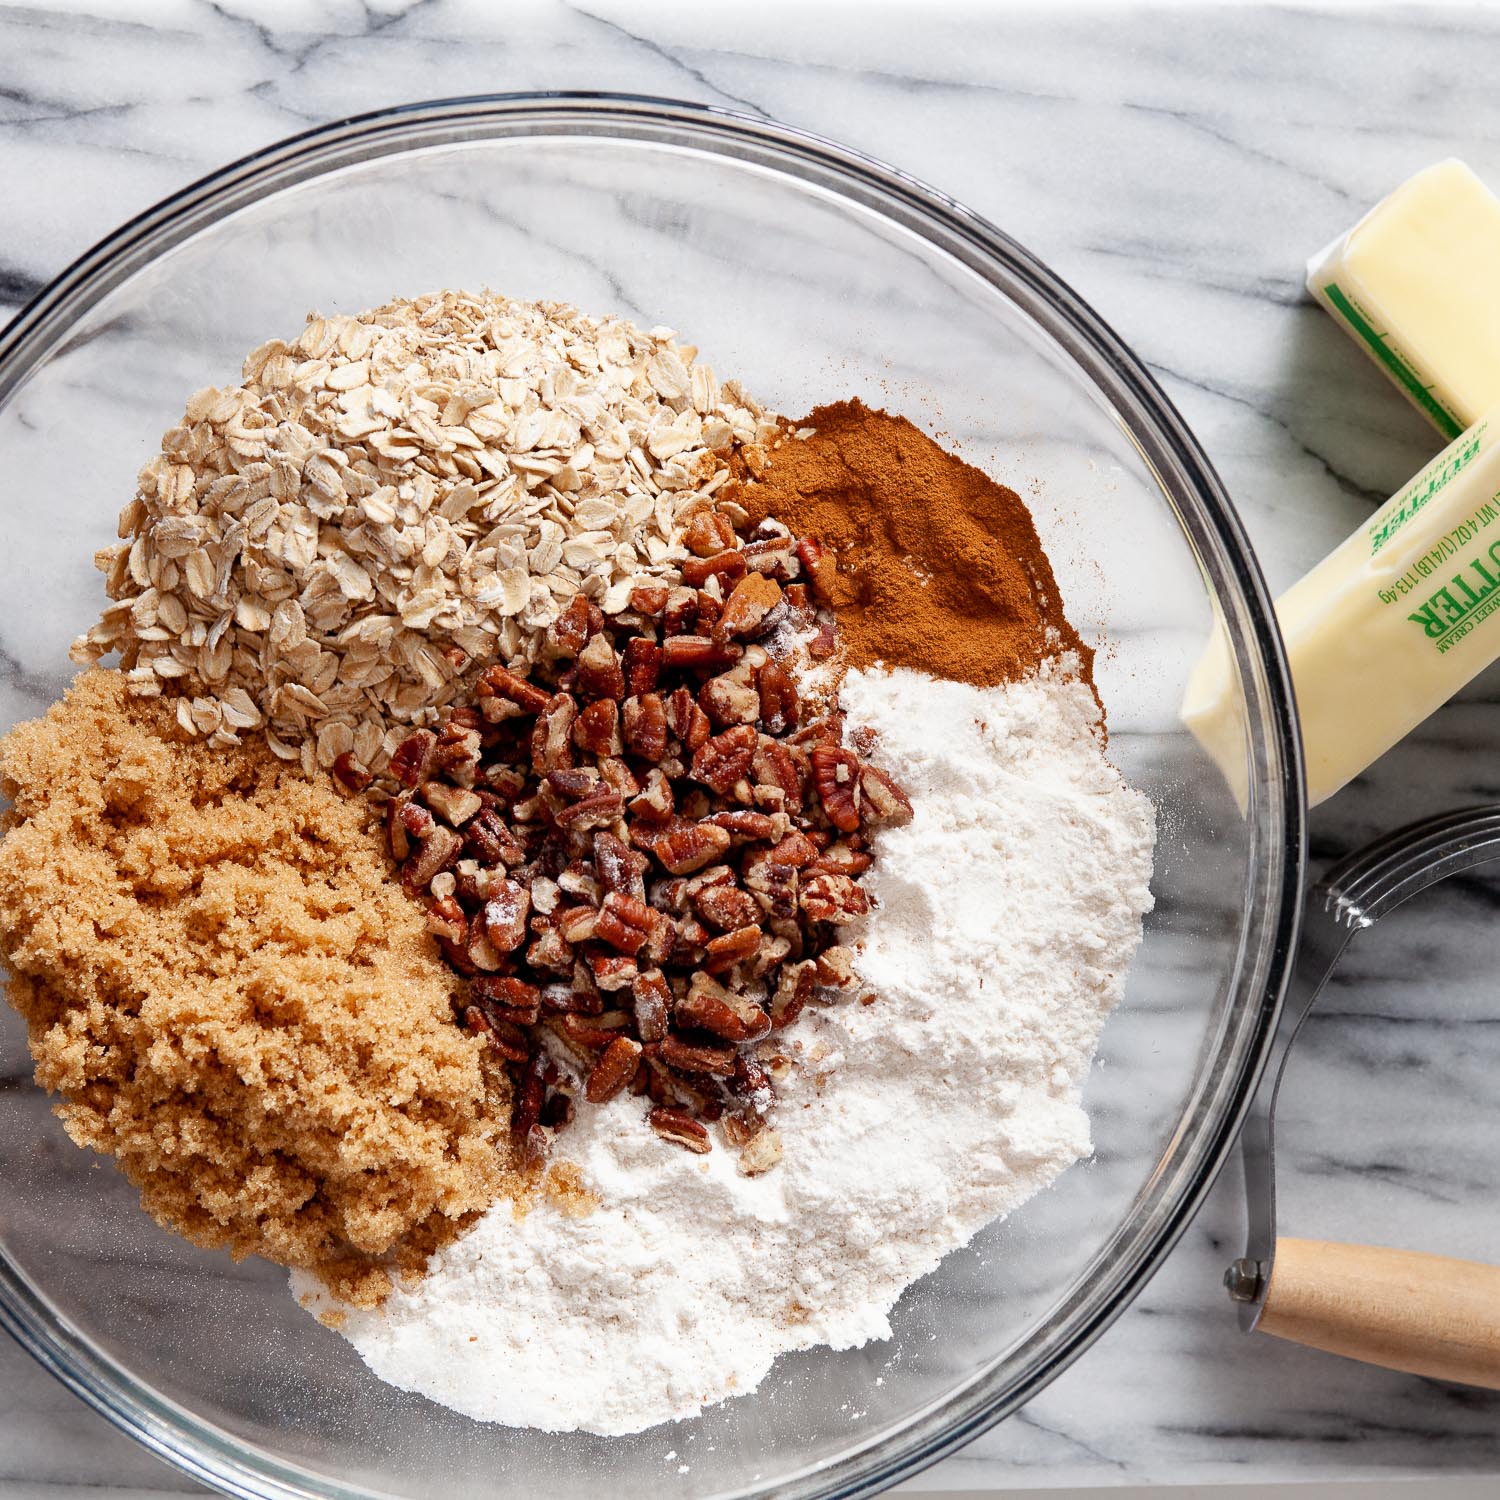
(1425, 1314)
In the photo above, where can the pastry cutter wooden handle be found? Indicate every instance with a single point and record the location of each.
(1407, 1311)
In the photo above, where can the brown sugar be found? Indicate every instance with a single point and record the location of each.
(233, 997)
(939, 567)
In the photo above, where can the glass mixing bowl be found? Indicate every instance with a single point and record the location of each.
(811, 273)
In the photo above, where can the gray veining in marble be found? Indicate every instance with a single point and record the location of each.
(1176, 165)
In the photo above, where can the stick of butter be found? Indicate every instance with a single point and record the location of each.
(1417, 283)
(1385, 629)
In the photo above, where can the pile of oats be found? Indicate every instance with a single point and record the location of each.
(330, 550)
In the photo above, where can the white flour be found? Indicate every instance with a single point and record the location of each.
(1008, 910)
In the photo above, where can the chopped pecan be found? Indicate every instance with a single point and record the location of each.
(596, 730)
(410, 758)
(793, 991)
(446, 919)
(503, 916)
(350, 772)
(828, 730)
(496, 710)
(615, 1068)
(454, 805)
(578, 879)
(690, 846)
(713, 875)
(661, 939)
(514, 999)
(506, 782)
(770, 955)
(774, 886)
(438, 850)
(507, 1039)
(642, 665)
(711, 1007)
(796, 849)
(708, 533)
(727, 701)
(726, 758)
(728, 567)
(653, 1004)
(614, 772)
(544, 910)
(586, 1031)
(885, 803)
(820, 565)
(551, 747)
(645, 726)
(613, 971)
(500, 682)
(686, 653)
(752, 1083)
(672, 895)
(488, 839)
(825, 643)
(833, 969)
(836, 775)
(778, 699)
(722, 953)
(680, 613)
(395, 826)
(549, 950)
(745, 610)
(600, 674)
(774, 765)
(619, 867)
(760, 1153)
(775, 556)
(799, 602)
(649, 599)
(840, 859)
(577, 924)
(527, 1110)
(727, 907)
(414, 819)
(697, 1057)
(482, 954)
(833, 898)
(579, 997)
(686, 720)
(571, 631)
(751, 826)
(680, 1128)
(572, 783)
(691, 935)
(710, 607)
(598, 810)
(624, 922)
(655, 802)
(456, 754)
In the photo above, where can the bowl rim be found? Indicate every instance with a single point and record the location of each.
(215, 1457)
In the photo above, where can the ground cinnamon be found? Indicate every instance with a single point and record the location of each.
(939, 567)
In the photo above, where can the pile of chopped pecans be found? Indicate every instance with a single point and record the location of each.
(638, 853)
(328, 549)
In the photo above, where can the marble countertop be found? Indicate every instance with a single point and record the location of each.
(1176, 166)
